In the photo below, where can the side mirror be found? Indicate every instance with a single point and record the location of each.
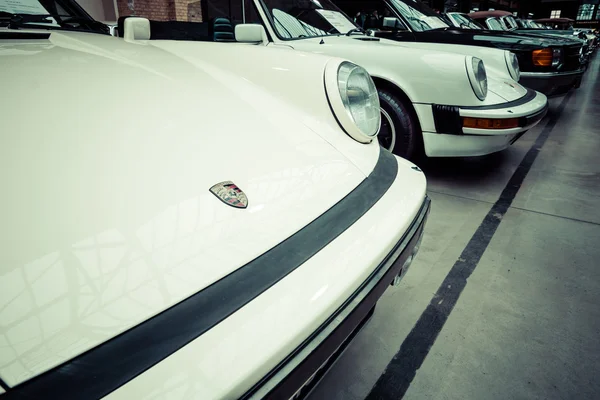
(392, 23)
(135, 28)
(250, 33)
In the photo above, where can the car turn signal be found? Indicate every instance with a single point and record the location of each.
(487, 123)
(543, 57)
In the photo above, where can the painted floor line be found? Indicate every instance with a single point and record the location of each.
(401, 370)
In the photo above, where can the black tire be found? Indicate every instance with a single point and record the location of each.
(399, 131)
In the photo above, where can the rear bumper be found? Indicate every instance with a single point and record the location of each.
(299, 373)
(552, 83)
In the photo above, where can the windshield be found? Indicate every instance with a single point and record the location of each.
(530, 24)
(465, 22)
(510, 22)
(494, 24)
(47, 14)
(420, 17)
(294, 19)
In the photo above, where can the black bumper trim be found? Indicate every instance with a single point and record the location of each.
(533, 118)
(530, 95)
(553, 84)
(321, 349)
(447, 119)
(108, 366)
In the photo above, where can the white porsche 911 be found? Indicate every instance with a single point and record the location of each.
(462, 101)
(177, 226)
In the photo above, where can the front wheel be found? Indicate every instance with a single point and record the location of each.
(399, 132)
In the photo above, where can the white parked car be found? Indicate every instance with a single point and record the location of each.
(179, 224)
(446, 103)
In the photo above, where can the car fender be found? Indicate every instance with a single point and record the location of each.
(494, 59)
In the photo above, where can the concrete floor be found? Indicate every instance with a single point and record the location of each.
(527, 325)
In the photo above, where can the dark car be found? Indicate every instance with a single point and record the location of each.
(551, 65)
(499, 20)
(503, 20)
(537, 27)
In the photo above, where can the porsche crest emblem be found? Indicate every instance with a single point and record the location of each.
(230, 194)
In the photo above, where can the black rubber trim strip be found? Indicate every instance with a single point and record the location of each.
(3, 385)
(23, 35)
(306, 391)
(531, 119)
(447, 119)
(530, 95)
(101, 370)
(321, 347)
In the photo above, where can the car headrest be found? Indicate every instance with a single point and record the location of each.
(222, 30)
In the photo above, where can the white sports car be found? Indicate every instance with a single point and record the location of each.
(172, 229)
(447, 104)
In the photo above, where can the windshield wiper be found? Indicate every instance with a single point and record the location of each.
(20, 19)
(355, 30)
(15, 21)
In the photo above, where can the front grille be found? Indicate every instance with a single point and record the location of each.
(571, 60)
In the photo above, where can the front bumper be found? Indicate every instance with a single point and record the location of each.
(298, 374)
(450, 139)
(552, 83)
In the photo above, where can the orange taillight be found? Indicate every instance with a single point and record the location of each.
(487, 123)
(542, 58)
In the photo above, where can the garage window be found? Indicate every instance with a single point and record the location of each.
(585, 12)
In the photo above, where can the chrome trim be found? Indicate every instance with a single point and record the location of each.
(548, 74)
(392, 126)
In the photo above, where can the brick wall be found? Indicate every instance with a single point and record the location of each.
(162, 10)
(188, 10)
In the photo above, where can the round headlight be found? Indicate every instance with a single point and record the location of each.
(477, 76)
(354, 100)
(512, 63)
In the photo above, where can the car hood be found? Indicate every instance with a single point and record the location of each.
(504, 90)
(500, 88)
(520, 41)
(108, 153)
(561, 38)
(414, 69)
(489, 38)
(552, 33)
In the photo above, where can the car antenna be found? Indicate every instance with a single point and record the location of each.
(322, 41)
